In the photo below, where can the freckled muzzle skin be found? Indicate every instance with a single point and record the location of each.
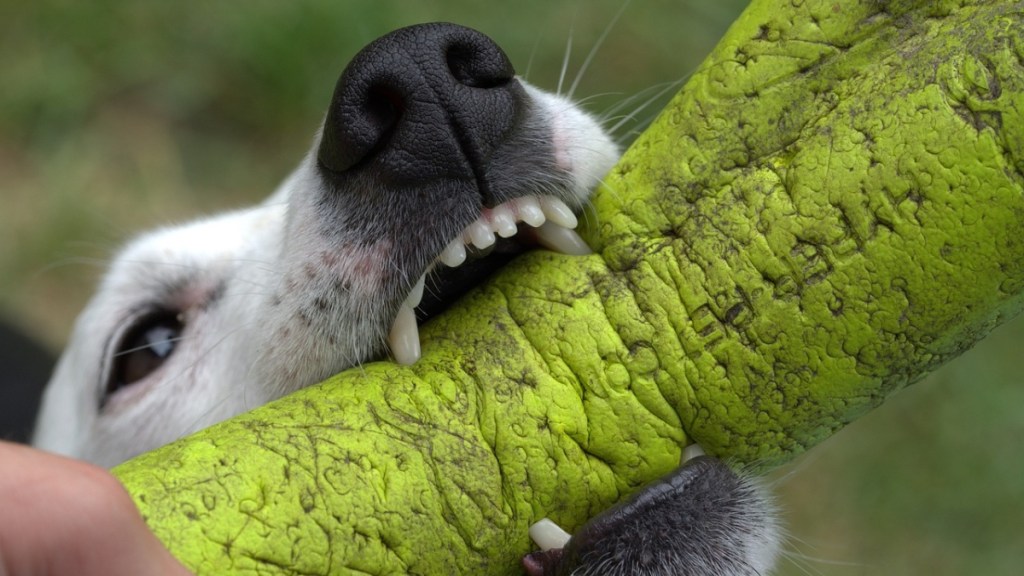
(831, 208)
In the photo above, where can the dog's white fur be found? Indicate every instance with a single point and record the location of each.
(262, 337)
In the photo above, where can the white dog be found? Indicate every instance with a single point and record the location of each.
(431, 154)
(421, 159)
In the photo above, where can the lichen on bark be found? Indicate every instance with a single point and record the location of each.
(830, 208)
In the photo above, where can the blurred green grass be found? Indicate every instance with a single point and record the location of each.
(116, 116)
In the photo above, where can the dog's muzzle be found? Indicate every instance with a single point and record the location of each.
(433, 153)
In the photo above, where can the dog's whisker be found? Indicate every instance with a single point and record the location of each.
(653, 99)
(593, 50)
(805, 562)
(213, 346)
(630, 101)
(73, 261)
(565, 59)
(146, 346)
(529, 61)
(596, 97)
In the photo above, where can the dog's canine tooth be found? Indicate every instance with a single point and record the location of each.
(404, 338)
(529, 211)
(455, 254)
(548, 535)
(564, 240)
(504, 221)
(416, 294)
(556, 211)
(692, 451)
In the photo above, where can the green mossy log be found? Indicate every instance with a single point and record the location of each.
(831, 207)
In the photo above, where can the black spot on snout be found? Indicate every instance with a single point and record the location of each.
(424, 105)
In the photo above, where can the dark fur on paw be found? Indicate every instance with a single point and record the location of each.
(702, 519)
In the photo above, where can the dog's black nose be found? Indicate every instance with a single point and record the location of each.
(423, 103)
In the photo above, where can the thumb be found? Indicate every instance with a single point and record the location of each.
(61, 516)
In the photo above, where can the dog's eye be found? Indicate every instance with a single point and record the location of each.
(146, 345)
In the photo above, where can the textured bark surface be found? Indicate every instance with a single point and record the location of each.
(829, 209)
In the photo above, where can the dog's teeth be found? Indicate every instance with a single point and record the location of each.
(548, 535)
(564, 240)
(529, 211)
(416, 294)
(556, 211)
(404, 338)
(504, 221)
(455, 254)
(480, 234)
(692, 451)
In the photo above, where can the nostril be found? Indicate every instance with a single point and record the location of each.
(384, 108)
(360, 123)
(473, 67)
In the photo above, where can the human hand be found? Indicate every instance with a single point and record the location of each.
(60, 516)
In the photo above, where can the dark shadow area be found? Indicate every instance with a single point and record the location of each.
(24, 369)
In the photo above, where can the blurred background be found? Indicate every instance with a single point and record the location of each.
(117, 116)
